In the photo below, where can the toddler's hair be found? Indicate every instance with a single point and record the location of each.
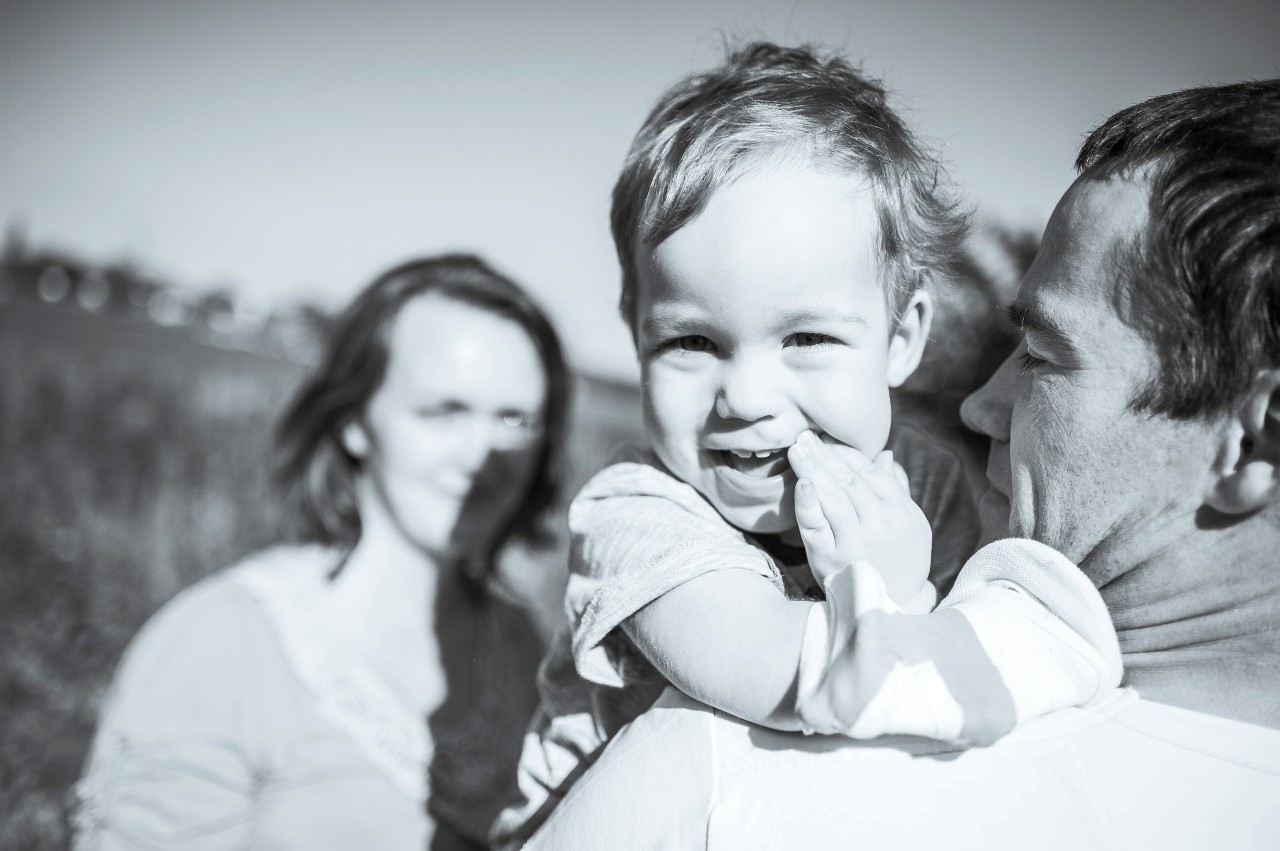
(770, 104)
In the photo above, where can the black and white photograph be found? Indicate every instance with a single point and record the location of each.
(730, 425)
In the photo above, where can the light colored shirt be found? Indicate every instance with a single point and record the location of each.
(1119, 773)
(237, 720)
(636, 532)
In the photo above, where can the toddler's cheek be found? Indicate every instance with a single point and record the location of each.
(865, 429)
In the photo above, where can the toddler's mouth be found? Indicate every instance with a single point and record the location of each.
(757, 464)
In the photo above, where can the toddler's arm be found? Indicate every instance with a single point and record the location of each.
(1022, 633)
(730, 640)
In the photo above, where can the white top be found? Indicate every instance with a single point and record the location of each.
(238, 720)
(1123, 773)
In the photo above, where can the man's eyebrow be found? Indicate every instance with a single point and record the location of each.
(1028, 319)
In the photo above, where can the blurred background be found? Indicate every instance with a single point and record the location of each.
(189, 189)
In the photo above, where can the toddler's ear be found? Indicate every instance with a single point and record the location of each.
(907, 339)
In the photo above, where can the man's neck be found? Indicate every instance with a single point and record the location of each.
(1199, 622)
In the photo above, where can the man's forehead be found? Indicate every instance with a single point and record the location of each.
(1081, 258)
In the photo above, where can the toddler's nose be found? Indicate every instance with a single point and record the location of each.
(749, 390)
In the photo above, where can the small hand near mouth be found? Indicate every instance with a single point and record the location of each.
(849, 508)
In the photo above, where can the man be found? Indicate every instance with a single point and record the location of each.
(1137, 431)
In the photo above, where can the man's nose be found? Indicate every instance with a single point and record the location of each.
(749, 390)
(987, 410)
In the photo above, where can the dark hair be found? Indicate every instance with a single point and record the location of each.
(768, 102)
(316, 470)
(1201, 283)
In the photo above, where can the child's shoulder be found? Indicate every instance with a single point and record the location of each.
(636, 492)
(636, 473)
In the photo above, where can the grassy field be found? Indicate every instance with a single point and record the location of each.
(131, 463)
(134, 461)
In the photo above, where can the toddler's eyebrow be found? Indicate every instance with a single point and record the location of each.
(810, 317)
(660, 324)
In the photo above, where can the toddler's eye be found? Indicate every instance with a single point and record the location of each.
(809, 339)
(694, 343)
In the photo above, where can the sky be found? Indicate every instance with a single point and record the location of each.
(291, 150)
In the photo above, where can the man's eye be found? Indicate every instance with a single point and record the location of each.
(1028, 362)
(809, 339)
(694, 343)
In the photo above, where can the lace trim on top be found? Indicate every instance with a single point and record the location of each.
(290, 584)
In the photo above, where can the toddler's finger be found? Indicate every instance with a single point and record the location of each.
(842, 462)
(815, 531)
(880, 477)
(832, 497)
(852, 458)
(901, 474)
(856, 477)
(871, 472)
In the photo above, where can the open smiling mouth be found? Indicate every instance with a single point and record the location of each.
(757, 465)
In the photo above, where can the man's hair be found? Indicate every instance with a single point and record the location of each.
(1201, 283)
(318, 473)
(765, 104)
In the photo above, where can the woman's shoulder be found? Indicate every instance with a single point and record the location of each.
(218, 625)
(225, 597)
(207, 659)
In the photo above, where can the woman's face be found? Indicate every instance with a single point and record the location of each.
(449, 441)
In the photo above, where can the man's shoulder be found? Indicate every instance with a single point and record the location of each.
(1099, 776)
(1208, 737)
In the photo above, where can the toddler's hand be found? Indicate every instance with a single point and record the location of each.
(849, 508)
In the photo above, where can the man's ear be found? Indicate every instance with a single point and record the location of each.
(1248, 466)
(907, 338)
(354, 439)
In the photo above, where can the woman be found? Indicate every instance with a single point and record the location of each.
(298, 699)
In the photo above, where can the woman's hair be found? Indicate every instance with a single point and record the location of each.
(318, 474)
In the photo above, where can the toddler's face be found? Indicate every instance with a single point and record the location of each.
(763, 317)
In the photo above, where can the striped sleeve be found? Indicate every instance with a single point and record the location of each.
(1022, 633)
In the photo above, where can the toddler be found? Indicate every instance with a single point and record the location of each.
(778, 229)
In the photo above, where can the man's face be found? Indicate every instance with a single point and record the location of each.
(761, 318)
(1071, 465)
